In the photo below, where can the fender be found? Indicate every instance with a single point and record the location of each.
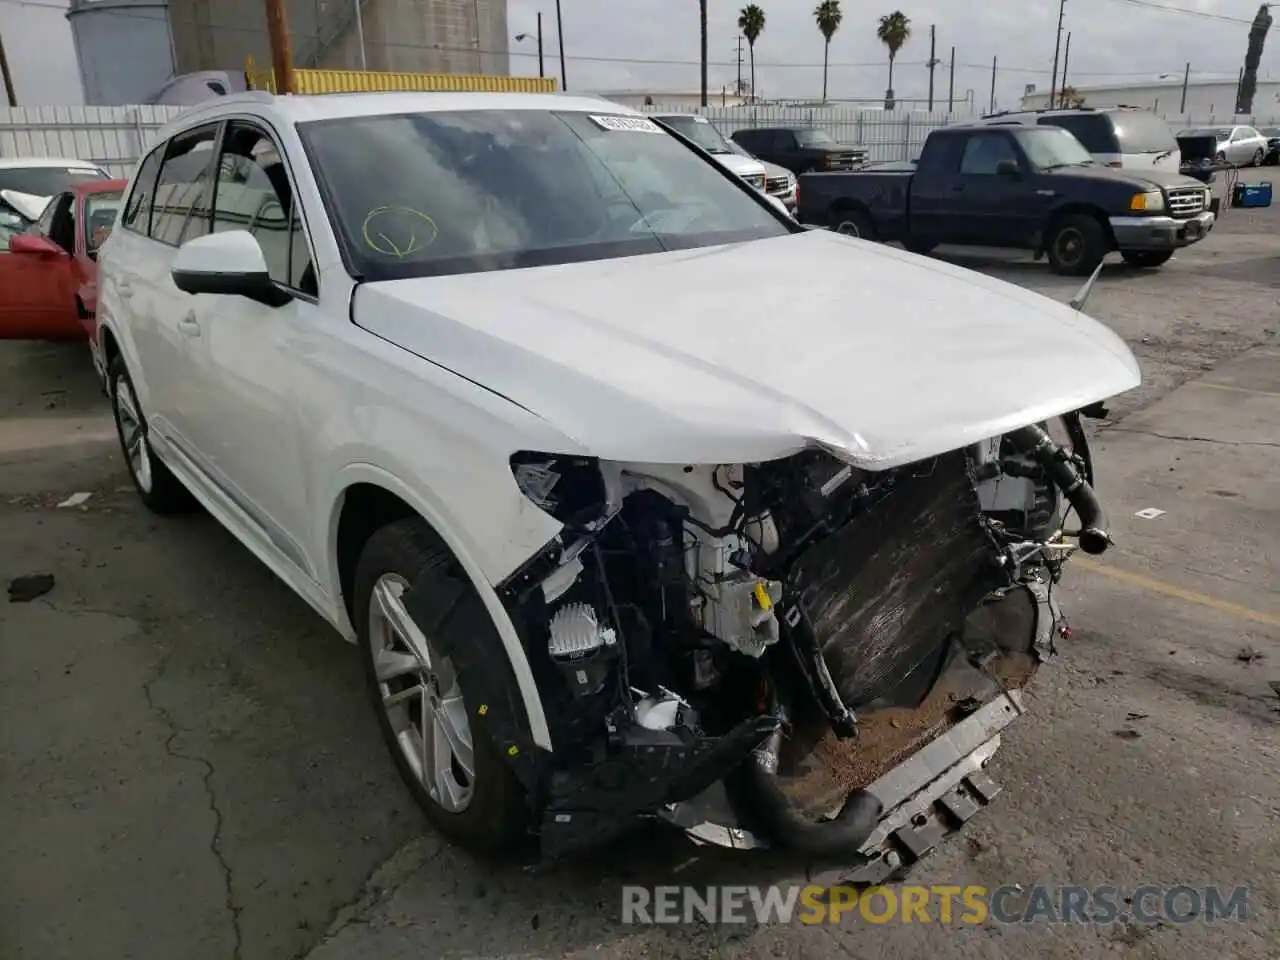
(370, 473)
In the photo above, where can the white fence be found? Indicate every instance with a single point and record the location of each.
(115, 137)
(112, 137)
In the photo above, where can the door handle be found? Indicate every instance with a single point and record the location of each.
(188, 324)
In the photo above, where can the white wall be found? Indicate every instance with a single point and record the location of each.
(1217, 98)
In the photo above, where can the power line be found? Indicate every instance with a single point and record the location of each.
(664, 61)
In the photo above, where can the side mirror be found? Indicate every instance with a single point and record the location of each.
(1007, 168)
(778, 205)
(228, 264)
(34, 244)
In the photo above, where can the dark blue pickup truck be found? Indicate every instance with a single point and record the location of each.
(1034, 188)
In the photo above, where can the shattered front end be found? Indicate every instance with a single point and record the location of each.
(797, 653)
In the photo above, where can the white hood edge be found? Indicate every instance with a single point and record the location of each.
(879, 356)
(27, 204)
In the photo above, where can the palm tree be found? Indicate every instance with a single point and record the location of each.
(751, 23)
(894, 31)
(702, 26)
(1070, 96)
(828, 16)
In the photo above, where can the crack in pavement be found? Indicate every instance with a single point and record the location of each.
(382, 883)
(1190, 439)
(216, 839)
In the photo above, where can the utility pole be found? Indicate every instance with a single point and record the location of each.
(739, 88)
(1186, 75)
(933, 62)
(541, 70)
(1066, 59)
(8, 77)
(993, 86)
(1057, 43)
(281, 52)
(951, 87)
(564, 80)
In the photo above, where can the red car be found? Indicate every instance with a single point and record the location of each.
(49, 277)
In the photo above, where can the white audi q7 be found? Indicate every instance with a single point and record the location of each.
(641, 500)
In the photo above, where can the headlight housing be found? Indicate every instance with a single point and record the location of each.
(1149, 202)
(570, 488)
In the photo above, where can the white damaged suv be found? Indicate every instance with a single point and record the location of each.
(458, 368)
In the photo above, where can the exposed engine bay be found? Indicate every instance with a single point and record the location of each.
(798, 653)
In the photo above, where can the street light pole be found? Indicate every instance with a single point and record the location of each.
(364, 65)
(540, 68)
(564, 82)
(1057, 45)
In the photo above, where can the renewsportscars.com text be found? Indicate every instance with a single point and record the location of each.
(1010, 904)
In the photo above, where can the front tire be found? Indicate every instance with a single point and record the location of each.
(1258, 156)
(451, 767)
(1077, 244)
(160, 491)
(1146, 258)
(853, 222)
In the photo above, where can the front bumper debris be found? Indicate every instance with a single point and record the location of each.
(1160, 233)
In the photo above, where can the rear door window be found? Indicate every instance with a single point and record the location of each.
(1141, 132)
(1094, 130)
(184, 190)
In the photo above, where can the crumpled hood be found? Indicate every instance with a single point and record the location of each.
(754, 351)
(27, 204)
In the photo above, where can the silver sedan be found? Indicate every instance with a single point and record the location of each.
(1242, 146)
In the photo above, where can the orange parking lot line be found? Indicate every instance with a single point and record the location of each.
(1173, 590)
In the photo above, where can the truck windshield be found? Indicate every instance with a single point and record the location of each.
(1049, 148)
(481, 190)
(814, 137)
(700, 131)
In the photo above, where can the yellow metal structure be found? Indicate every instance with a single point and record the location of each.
(370, 81)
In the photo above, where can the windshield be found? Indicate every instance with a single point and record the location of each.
(479, 190)
(1051, 147)
(700, 131)
(814, 138)
(46, 181)
(1221, 133)
(100, 216)
(1138, 131)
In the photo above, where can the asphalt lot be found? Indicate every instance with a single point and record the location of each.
(189, 768)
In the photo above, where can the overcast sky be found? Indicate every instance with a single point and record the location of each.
(1111, 40)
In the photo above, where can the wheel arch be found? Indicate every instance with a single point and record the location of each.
(368, 498)
(1070, 209)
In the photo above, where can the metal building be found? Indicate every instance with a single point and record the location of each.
(122, 48)
(410, 36)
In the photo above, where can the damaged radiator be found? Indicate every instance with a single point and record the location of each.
(882, 595)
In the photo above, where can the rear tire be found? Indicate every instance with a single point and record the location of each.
(920, 246)
(160, 491)
(1077, 244)
(1146, 258)
(853, 222)
(482, 809)
(1258, 156)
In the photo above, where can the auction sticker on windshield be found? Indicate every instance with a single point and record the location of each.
(626, 124)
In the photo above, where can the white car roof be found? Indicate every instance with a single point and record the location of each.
(12, 163)
(330, 106)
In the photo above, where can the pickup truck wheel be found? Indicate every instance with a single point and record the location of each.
(854, 223)
(1076, 245)
(453, 770)
(1146, 258)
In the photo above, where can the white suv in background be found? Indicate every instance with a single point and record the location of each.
(704, 134)
(1123, 137)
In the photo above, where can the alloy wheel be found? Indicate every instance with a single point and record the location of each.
(422, 699)
(133, 433)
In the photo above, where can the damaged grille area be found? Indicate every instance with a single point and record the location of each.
(883, 594)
